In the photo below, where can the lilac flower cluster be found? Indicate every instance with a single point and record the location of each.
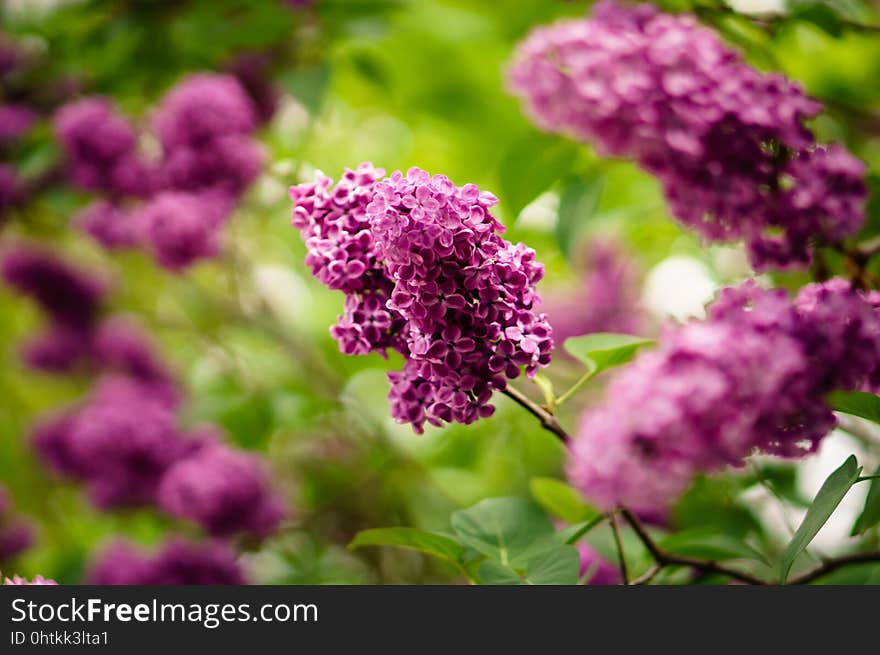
(752, 377)
(16, 534)
(601, 572)
(426, 273)
(175, 207)
(727, 142)
(177, 562)
(124, 440)
(605, 300)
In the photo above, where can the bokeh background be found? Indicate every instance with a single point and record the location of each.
(398, 83)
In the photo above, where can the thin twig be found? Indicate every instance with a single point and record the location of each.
(647, 576)
(832, 565)
(624, 573)
(664, 558)
(548, 421)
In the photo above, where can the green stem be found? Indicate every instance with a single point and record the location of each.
(586, 377)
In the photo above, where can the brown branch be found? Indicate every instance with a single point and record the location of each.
(548, 420)
(664, 558)
(624, 573)
(831, 565)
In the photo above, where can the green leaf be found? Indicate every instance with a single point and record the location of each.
(819, 14)
(572, 533)
(491, 572)
(430, 543)
(870, 515)
(509, 530)
(826, 501)
(708, 544)
(531, 166)
(561, 500)
(858, 403)
(578, 202)
(604, 350)
(557, 566)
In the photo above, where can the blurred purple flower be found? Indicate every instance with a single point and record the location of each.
(224, 491)
(120, 443)
(605, 300)
(753, 377)
(252, 70)
(101, 149)
(178, 562)
(108, 224)
(15, 120)
(727, 142)
(201, 108)
(69, 296)
(181, 228)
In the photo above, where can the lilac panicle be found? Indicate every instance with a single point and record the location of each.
(120, 443)
(181, 228)
(426, 272)
(224, 491)
(108, 224)
(201, 108)
(727, 142)
(69, 296)
(177, 562)
(101, 148)
(752, 378)
(16, 534)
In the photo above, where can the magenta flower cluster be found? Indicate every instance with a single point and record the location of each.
(706, 398)
(176, 206)
(124, 442)
(426, 273)
(176, 562)
(18, 580)
(727, 142)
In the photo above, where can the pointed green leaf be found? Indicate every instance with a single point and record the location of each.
(826, 501)
(870, 515)
(430, 543)
(858, 403)
(708, 544)
(508, 530)
(561, 500)
(604, 350)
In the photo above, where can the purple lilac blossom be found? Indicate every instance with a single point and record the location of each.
(178, 562)
(15, 120)
(108, 224)
(101, 149)
(181, 228)
(727, 142)
(223, 490)
(752, 378)
(252, 70)
(605, 300)
(120, 443)
(426, 272)
(18, 580)
(69, 296)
